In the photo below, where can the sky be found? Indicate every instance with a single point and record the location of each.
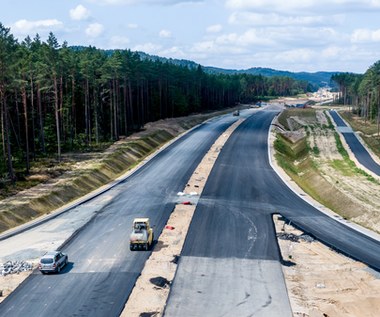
(292, 35)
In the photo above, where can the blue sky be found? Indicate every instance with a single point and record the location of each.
(294, 35)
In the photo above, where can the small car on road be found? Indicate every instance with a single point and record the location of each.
(53, 261)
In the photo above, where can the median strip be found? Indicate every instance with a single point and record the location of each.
(148, 298)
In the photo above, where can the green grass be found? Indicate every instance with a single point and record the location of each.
(308, 177)
(316, 150)
(340, 147)
(286, 164)
(304, 171)
(330, 124)
(369, 130)
(343, 167)
(294, 151)
(346, 166)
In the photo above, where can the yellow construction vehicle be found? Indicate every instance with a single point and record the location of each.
(142, 236)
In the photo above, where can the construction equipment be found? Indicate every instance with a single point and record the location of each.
(142, 236)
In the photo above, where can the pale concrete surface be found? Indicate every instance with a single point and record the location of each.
(228, 287)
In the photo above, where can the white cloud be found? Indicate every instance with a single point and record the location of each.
(94, 29)
(213, 47)
(113, 2)
(365, 35)
(28, 27)
(216, 28)
(79, 13)
(249, 37)
(291, 6)
(203, 46)
(149, 48)
(270, 5)
(299, 55)
(155, 2)
(257, 19)
(165, 34)
(361, 35)
(333, 51)
(252, 36)
(120, 42)
(133, 26)
(173, 52)
(375, 3)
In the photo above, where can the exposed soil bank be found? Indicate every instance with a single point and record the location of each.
(324, 283)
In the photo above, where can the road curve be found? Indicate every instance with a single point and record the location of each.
(242, 193)
(355, 145)
(230, 253)
(102, 270)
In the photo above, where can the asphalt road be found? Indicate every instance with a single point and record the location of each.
(356, 147)
(232, 222)
(102, 270)
(230, 263)
(231, 240)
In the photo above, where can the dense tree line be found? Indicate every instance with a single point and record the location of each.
(55, 98)
(362, 92)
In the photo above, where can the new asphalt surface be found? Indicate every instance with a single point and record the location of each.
(231, 241)
(230, 263)
(233, 222)
(102, 270)
(356, 146)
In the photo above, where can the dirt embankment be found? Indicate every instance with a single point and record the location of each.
(331, 179)
(324, 283)
(118, 159)
(79, 174)
(320, 281)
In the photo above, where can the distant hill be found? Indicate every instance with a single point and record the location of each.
(317, 79)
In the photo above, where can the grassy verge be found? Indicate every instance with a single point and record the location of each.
(369, 130)
(346, 166)
(298, 161)
(303, 170)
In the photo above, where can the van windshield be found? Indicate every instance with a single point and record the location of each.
(46, 260)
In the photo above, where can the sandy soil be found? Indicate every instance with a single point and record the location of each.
(320, 281)
(324, 283)
(361, 196)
